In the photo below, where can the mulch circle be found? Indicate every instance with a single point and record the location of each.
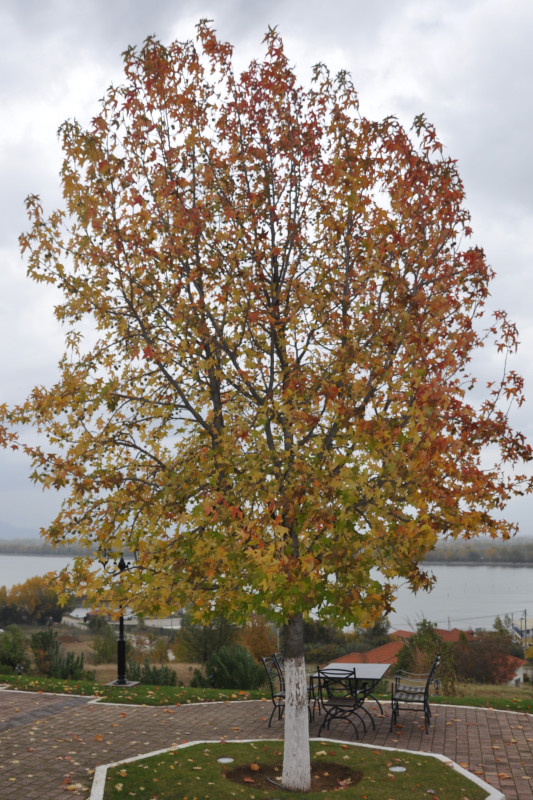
(325, 776)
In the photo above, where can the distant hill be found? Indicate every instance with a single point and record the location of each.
(26, 541)
(8, 531)
(518, 550)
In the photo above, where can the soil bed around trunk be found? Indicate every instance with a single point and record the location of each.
(325, 776)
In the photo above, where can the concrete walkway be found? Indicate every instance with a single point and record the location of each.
(50, 744)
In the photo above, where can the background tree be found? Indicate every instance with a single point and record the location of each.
(13, 648)
(104, 644)
(194, 642)
(258, 637)
(421, 649)
(280, 304)
(489, 657)
(34, 601)
(9, 613)
(376, 635)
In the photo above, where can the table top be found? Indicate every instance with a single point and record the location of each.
(372, 672)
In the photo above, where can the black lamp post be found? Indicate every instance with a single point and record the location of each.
(121, 641)
(121, 679)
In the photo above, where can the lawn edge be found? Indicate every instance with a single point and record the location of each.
(100, 773)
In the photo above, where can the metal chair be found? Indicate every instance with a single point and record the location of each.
(341, 698)
(276, 680)
(412, 689)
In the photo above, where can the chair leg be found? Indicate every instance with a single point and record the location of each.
(375, 699)
(393, 715)
(279, 707)
(369, 715)
(331, 716)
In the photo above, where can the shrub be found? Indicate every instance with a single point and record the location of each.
(13, 646)
(156, 676)
(231, 667)
(51, 662)
(104, 645)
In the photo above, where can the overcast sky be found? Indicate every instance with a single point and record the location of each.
(466, 64)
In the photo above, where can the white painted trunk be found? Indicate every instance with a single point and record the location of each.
(296, 758)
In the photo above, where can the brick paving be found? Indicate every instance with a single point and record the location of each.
(50, 744)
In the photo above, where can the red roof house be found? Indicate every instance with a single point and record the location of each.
(386, 654)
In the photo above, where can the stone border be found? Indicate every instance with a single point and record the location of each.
(100, 774)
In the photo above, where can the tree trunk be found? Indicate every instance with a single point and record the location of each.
(296, 758)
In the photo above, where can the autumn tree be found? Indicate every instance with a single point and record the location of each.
(258, 637)
(37, 600)
(420, 650)
(490, 657)
(270, 308)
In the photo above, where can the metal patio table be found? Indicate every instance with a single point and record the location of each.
(368, 675)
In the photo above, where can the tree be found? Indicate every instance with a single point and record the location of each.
(104, 645)
(9, 613)
(489, 658)
(258, 637)
(421, 649)
(13, 647)
(196, 642)
(37, 600)
(271, 305)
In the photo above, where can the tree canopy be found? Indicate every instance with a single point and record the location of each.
(270, 305)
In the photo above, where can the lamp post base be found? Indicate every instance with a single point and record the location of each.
(122, 683)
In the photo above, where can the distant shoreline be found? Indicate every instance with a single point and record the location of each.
(450, 563)
(43, 553)
(8, 549)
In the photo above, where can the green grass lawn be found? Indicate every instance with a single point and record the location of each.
(362, 773)
(507, 698)
(141, 694)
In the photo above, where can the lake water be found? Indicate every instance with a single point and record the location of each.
(468, 597)
(463, 597)
(17, 568)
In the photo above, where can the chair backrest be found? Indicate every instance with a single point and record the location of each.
(417, 683)
(280, 661)
(335, 684)
(432, 672)
(275, 674)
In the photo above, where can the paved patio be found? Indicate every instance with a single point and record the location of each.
(50, 744)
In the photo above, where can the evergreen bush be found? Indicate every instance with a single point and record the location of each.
(13, 646)
(155, 676)
(231, 667)
(52, 663)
